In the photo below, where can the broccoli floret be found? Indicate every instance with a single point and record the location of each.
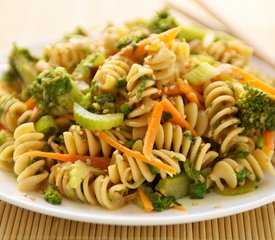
(78, 31)
(22, 71)
(162, 22)
(55, 92)
(256, 110)
(130, 39)
(52, 196)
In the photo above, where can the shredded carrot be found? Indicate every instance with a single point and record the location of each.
(154, 162)
(152, 129)
(269, 140)
(30, 104)
(34, 114)
(244, 77)
(139, 50)
(98, 162)
(190, 93)
(146, 202)
(198, 88)
(2, 127)
(176, 116)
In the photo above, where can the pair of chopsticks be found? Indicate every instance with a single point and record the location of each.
(226, 26)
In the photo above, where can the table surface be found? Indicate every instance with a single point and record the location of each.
(28, 21)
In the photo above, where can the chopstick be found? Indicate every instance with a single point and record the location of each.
(227, 27)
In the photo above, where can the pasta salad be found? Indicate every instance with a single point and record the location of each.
(149, 112)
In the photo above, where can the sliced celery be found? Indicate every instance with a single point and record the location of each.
(176, 186)
(201, 73)
(46, 125)
(94, 121)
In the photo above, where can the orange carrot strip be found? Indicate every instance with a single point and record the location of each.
(98, 162)
(102, 135)
(34, 114)
(198, 88)
(2, 127)
(190, 93)
(176, 116)
(269, 139)
(136, 52)
(146, 202)
(152, 129)
(30, 104)
(244, 77)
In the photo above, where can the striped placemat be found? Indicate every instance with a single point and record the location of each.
(18, 223)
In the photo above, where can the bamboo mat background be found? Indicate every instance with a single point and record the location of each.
(18, 223)
(28, 21)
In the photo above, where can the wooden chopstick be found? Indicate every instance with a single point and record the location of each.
(227, 27)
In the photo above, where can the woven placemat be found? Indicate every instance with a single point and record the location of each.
(18, 223)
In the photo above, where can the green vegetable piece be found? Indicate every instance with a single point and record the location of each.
(159, 202)
(121, 82)
(241, 155)
(130, 39)
(77, 173)
(125, 108)
(22, 71)
(197, 190)
(153, 169)
(83, 72)
(166, 116)
(55, 92)
(249, 186)
(243, 174)
(102, 99)
(201, 73)
(256, 110)
(176, 186)
(78, 31)
(46, 125)
(52, 195)
(260, 141)
(162, 22)
(94, 121)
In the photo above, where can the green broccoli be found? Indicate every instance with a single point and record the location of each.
(162, 22)
(256, 111)
(52, 195)
(55, 92)
(22, 71)
(78, 31)
(130, 39)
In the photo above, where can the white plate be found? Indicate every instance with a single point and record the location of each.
(213, 206)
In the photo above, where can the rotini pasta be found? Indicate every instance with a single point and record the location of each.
(30, 171)
(147, 112)
(69, 52)
(11, 109)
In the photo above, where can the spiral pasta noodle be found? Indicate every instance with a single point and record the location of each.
(220, 107)
(171, 137)
(68, 53)
(30, 172)
(6, 150)
(227, 169)
(162, 60)
(82, 141)
(113, 69)
(93, 189)
(140, 83)
(11, 109)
